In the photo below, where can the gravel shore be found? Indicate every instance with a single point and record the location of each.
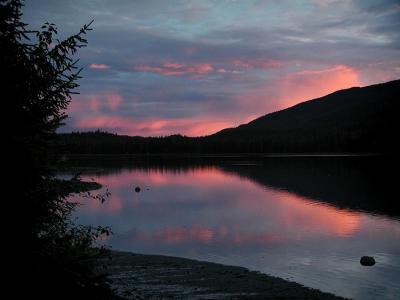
(137, 276)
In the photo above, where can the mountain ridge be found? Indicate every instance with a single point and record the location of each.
(320, 101)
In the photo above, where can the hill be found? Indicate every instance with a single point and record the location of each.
(351, 120)
(355, 119)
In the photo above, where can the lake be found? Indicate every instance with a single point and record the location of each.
(305, 219)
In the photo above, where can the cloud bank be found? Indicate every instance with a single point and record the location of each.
(194, 67)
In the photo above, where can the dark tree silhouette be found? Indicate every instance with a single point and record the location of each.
(39, 74)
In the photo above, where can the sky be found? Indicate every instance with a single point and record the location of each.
(162, 67)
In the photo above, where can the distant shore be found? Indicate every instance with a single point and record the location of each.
(228, 154)
(138, 276)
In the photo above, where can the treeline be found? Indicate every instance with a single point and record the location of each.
(289, 142)
(98, 142)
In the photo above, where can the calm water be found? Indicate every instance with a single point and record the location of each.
(304, 219)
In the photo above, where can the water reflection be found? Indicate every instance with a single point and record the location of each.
(287, 217)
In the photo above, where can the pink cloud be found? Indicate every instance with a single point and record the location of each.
(309, 84)
(103, 122)
(113, 100)
(176, 69)
(99, 66)
(257, 63)
(153, 127)
(274, 95)
(81, 103)
(297, 87)
(94, 102)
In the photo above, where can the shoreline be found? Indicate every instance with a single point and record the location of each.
(142, 276)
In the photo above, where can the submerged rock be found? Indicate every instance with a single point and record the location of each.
(367, 261)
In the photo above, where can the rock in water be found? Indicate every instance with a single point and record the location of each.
(367, 261)
(137, 189)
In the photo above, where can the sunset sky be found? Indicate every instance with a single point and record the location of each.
(194, 67)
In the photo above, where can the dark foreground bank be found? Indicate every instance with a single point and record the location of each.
(137, 276)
